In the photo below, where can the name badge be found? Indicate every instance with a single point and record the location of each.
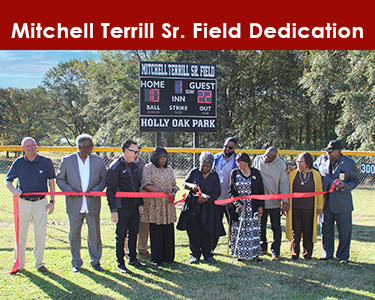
(221, 179)
(342, 176)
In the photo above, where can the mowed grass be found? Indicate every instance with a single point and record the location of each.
(243, 280)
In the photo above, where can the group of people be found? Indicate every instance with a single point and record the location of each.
(221, 176)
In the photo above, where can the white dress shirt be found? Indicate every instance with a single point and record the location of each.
(84, 173)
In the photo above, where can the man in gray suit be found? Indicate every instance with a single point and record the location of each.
(83, 172)
(338, 205)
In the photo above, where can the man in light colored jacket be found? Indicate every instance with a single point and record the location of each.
(276, 181)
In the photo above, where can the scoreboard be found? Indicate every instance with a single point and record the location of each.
(177, 97)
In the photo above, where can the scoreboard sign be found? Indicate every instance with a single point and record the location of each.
(177, 97)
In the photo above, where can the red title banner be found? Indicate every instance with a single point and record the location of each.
(200, 25)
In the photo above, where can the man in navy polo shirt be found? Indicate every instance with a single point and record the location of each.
(33, 173)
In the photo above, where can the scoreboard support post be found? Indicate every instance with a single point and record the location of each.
(196, 145)
(158, 138)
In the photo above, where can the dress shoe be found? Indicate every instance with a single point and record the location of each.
(98, 267)
(122, 269)
(15, 272)
(155, 263)
(325, 258)
(76, 269)
(263, 252)
(43, 269)
(193, 260)
(343, 262)
(211, 260)
(137, 263)
(258, 259)
(145, 254)
(293, 259)
(275, 257)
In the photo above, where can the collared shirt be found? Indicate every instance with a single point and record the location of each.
(84, 173)
(32, 175)
(223, 168)
(334, 165)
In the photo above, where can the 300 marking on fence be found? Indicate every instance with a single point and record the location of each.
(368, 169)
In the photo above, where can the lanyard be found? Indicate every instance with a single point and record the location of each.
(221, 162)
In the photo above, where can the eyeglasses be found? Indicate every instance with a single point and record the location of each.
(300, 161)
(229, 147)
(135, 151)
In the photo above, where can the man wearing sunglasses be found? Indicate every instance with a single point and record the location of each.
(123, 175)
(276, 181)
(224, 163)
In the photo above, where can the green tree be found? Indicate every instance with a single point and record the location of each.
(357, 122)
(114, 96)
(327, 75)
(22, 115)
(67, 96)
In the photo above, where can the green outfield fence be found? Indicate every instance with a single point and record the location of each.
(181, 160)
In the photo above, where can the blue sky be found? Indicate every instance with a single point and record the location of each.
(26, 68)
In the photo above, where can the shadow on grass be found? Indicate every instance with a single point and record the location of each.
(145, 283)
(70, 290)
(243, 280)
(313, 279)
(362, 233)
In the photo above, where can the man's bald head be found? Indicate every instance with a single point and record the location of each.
(270, 155)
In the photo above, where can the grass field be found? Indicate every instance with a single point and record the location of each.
(243, 280)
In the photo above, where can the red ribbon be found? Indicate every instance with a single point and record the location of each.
(199, 194)
(103, 194)
(17, 229)
(118, 194)
(277, 196)
(182, 200)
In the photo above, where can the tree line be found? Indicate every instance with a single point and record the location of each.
(288, 99)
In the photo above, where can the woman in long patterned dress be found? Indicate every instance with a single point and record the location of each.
(245, 231)
(158, 176)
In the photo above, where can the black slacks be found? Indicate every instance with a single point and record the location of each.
(162, 243)
(127, 226)
(200, 240)
(276, 228)
(302, 223)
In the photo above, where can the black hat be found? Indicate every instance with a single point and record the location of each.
(333, 145)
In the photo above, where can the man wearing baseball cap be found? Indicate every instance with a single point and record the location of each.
(338, 205)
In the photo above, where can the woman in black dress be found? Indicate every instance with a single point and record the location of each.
(200, 216)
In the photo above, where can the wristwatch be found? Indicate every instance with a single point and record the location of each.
(52, 201)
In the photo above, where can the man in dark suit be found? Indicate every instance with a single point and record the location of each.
(83, 172)
(338, 205)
